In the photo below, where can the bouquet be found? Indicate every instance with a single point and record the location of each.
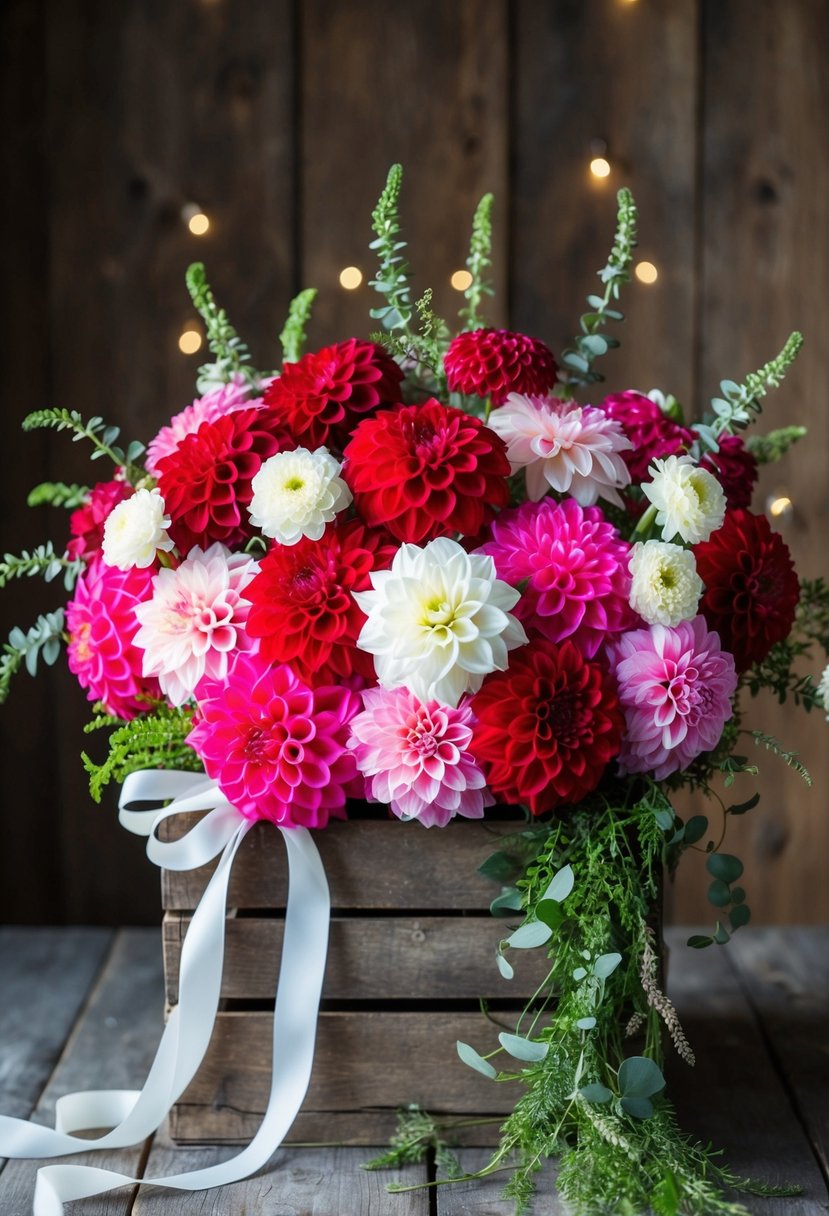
(422, 570)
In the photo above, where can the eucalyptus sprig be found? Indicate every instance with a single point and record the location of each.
(43, 561)
(57, 494)
(740, 404)
(232, 355)
(41, 641)
(394, 272)
(102, 437)
(578, 359)
(478, 263)
(292, 338)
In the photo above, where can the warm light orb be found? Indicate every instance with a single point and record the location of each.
(351, 277)
(190, 341)
(780, 506)
(646, 272)
(600, 166)
(198, 224)
(461, 279)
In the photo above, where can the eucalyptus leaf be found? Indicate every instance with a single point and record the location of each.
(698, 942)
(640, 1108)
(550, 912)
(596, 1092)
(561, 886)
(471, 1057)
(529, 935)
(640, 1077)
(695, 828)
(719, 894)
(579, 974)
(664, 818)
(739, 916)
(586, 1023)
(724, 866)
(606, 964)
(504, 966)
(523, 1049)
(721, 935)
(506, 903)
(741, 808)
(500, 867)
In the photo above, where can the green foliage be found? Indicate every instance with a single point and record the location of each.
(232, 355)
(577, 360)
(418, 1133)
(43, 561)
(102, 437)
(478, 263)
(394, 272)
(57, 494)
(292, 338)
(767, 449)
(788, 757)
(153, 740)
(741, 403)
(42, 641)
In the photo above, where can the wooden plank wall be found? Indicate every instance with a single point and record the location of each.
(280, 120)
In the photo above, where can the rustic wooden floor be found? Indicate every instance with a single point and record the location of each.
(81, 1008)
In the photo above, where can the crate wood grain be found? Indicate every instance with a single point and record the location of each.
(412, 950)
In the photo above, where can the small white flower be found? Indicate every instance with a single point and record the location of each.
(135, 530)
(666, 587)
(570, 448)
(823, 690)
(438, 621)
(296, 494)
(689, 501)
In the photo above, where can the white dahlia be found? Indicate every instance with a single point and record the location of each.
(665, 587)
(438, 621)
(195, 620)
(135, 530)
(296, 494)
(689, 501)
(570, 448)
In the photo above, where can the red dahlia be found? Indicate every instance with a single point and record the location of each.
(302, 609)
(427, 470)
(205, 482)
(652, 433)
(735, 468)
(547, 727)
(321, 398)
(751, 586)
(494, 362)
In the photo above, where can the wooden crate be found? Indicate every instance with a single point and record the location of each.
(412, 950)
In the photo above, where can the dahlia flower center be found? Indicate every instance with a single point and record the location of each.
(294, 483)
(683, 691)
(438, 612)
(419, 738)
(257, 745)
(80, 639)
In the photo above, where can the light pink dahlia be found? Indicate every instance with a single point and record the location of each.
(415, 757)
(675, 686)
(575, 566)
(102, 625)
(277, 749)
(195, 620)
(226, 399)
(563, 446)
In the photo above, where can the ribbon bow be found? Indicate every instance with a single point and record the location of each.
(134, 1115)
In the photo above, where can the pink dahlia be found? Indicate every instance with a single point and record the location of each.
(195, 620)
(87, 523)
(563, 446)
(220, 401)
(675, 686)
(575, 566)
(415, 757)
(651, 431)
(102, 625)
(495, 362)
(277, 749)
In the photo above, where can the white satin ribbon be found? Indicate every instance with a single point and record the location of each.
(134, 1115)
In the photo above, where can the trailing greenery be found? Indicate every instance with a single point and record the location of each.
(57, 494)
(394, 272)
(43, 561)
(768, 449)
(232, 355)
(785, 754)
(478, 264)
(153, 740)
(419, 1134)
(41, 641)
(577, 360)
(102, 437)
(292, 338)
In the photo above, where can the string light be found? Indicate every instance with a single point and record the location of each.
(189, 341)
(195, 219)
(600, 166)
(351, 277)
(461, 279)
(646, 272)
(779, 506)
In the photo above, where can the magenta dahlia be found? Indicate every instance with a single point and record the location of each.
(87, 523)
(321, 398)
(546, 728)
(651, 431)
(575, 566)
(425, 471)
(495, 362)
(101, 622)
(675, 686)
(277, 749)
(416, 757)
(206, 480)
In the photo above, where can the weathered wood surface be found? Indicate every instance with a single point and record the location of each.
(756, 1013)
(411, 867)
(378, 959)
